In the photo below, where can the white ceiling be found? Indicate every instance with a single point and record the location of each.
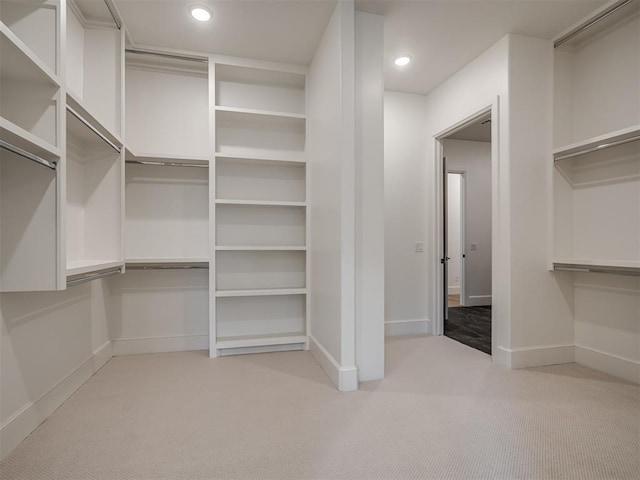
(441, 35)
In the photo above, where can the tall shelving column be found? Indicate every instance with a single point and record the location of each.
(32, 146)
(259, 209)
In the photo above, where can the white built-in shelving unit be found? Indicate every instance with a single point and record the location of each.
(31, 145)
(596, 161)
(260, 217)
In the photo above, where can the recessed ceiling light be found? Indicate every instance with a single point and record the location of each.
(201, 14)
(402, 60)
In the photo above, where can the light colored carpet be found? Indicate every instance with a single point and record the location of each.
(442, 412)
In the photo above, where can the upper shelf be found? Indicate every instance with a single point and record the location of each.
(594, 144)
(264, 113)
(19, 137)
(261, 159)
(76, 106)
(19, 63)
(618, 267)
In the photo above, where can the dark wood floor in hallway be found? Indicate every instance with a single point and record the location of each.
(470, 326)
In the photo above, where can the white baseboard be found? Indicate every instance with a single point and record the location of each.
(407, 327)
(538, 356)
(453, 290)
(17, 427)
(344, 378)
(624, 368)
(477, 301)
(182, 343)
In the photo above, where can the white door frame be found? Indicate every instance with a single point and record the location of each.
(463, 243)
(439, 288)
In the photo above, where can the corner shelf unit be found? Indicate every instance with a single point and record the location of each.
(261, 277)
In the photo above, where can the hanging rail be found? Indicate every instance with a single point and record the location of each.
(167, 266)
(93, 129)
(174, 56)
(87, 277)
(591, 22)
(597, 148)
(112, 12)
(577, 268)
(167, 164)
(27, 155)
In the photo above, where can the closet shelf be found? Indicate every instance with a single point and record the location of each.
(258, 248)
(168, 159)
(266, 113)
(262, 292)
(19, 63)
(267, 203)
(87, 266)
(260, 159)
(75, 104)
(598, 143)
(260, 340)
(597, 266)
(27, 141)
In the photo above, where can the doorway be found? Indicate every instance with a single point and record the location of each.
(467, 245)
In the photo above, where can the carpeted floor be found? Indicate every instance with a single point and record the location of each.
(470, 326)
(443, 412)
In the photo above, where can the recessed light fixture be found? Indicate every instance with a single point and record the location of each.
(402, 60)
(202, 14)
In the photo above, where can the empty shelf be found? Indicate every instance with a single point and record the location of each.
(266, 113)
(261, 292)
(601, 142)
(251, 248)
(260, 341)
(618, 267)
(86, 266)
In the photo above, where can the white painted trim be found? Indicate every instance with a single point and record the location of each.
(416, 326)
(19, 425)
(181, 343)
(477, 300)
(345, 378)
(621, 367)
(536, 356)
(453, 289)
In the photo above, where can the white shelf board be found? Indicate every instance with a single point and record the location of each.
(76, 104)
(259, 158)
(595, 142)
(258, 248)
(86, 266)
(168, 261)
(261, 292)
(266, 113)
(610, 266)
(163, 157)
(266, 203)
(262, 75)
(18, 136)
(20, 63)
(260, 340)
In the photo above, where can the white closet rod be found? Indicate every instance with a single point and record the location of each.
(174, 56)
(93, 129)
(27, 155)
(167, 164)
(599, 147)
(590, 23)
(77, 280)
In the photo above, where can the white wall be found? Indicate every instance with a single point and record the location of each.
(52, 342)
(331, 160)
(369, 137)
(474, 158)
(407, 208)
(515, 73)
(454, 227)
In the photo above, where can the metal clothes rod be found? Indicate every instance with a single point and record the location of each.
(112, 11)
(93, 276)
(27, 155)
(174, 56)
(599, 147)
(167, 164)
(93, 129)
(590, 23)
(167, 267)
(610, 270)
